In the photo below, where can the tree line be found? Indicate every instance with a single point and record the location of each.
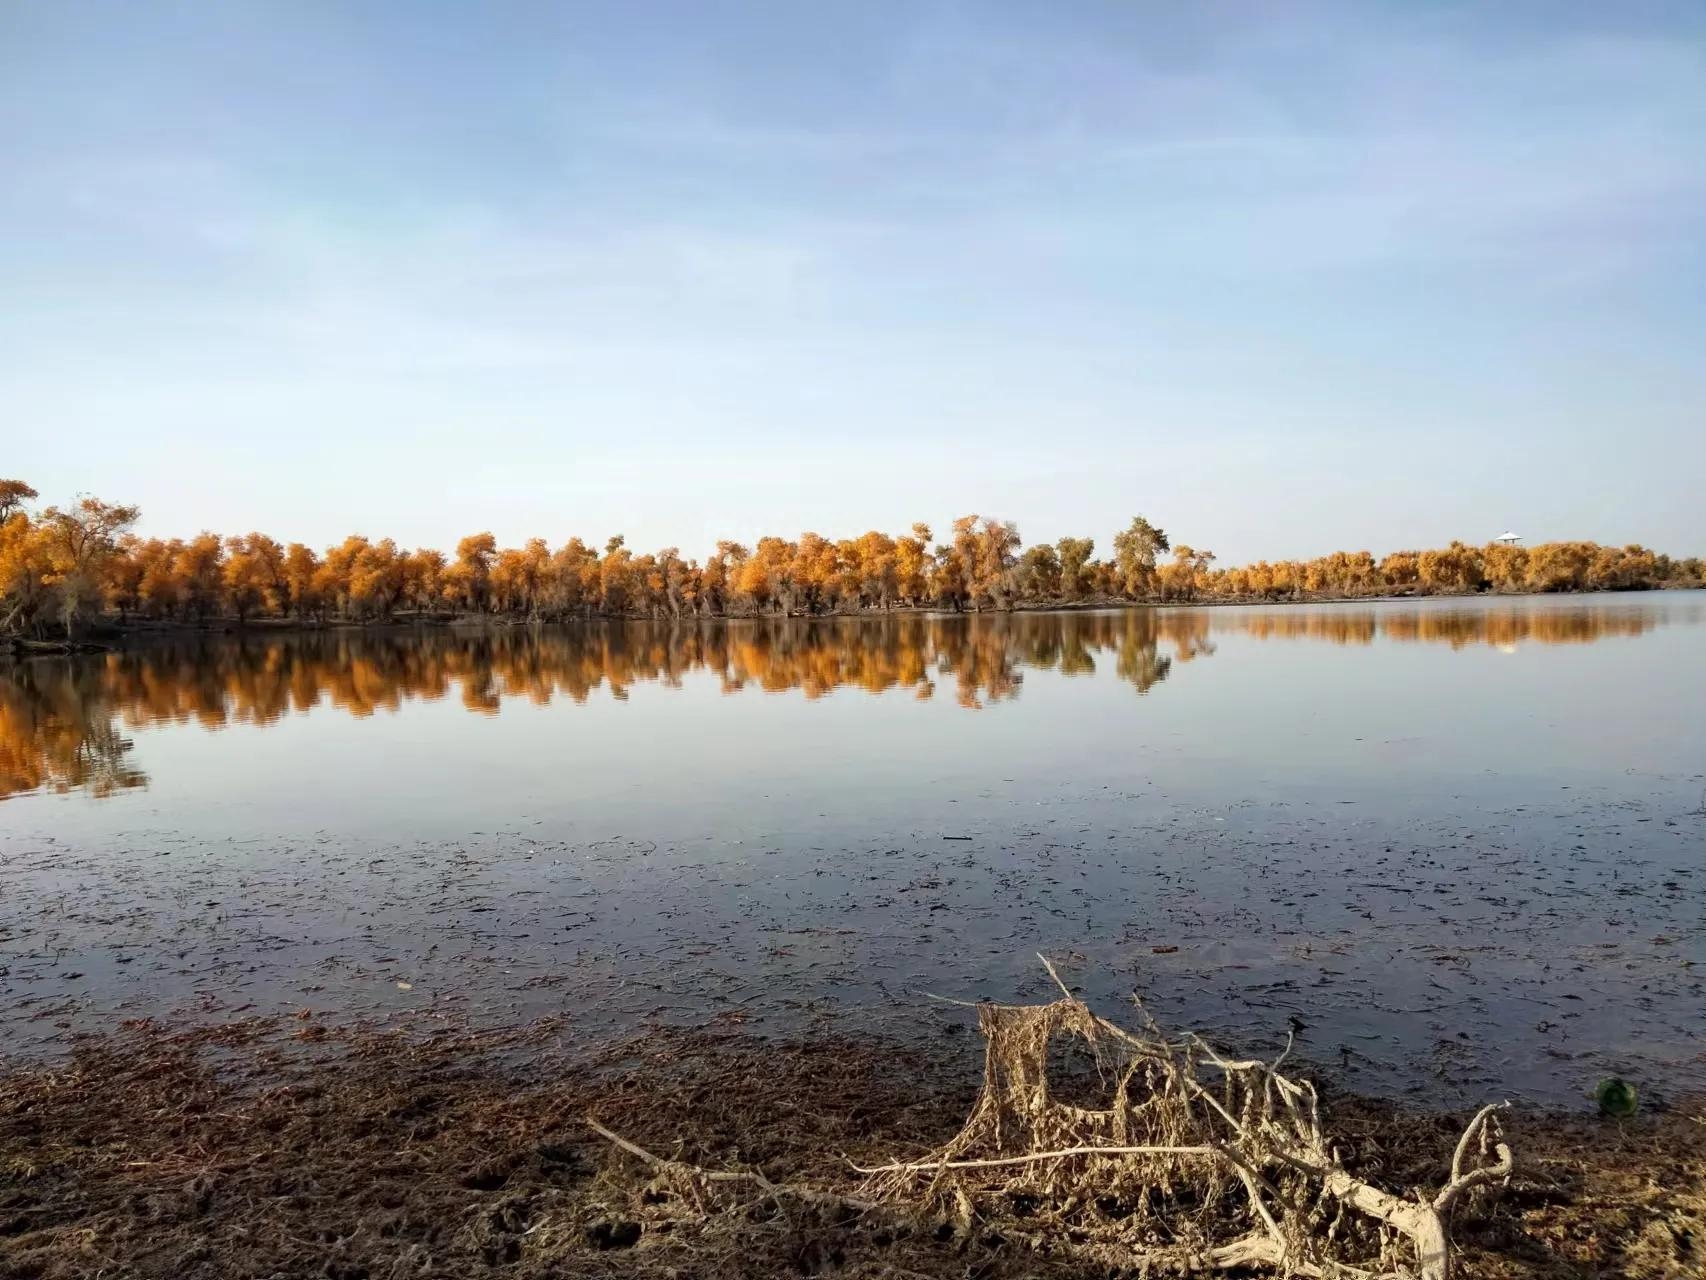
(62, 567)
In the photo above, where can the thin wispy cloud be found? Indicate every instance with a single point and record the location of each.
(1155, 246)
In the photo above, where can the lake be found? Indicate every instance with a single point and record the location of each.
(1458, 846)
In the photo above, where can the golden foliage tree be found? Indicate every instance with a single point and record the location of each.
(67, 565)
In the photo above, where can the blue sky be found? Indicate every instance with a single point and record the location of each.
(1283, 277)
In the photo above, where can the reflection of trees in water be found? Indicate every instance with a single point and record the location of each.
(60, 734)
(1457, 627)
(59, 720)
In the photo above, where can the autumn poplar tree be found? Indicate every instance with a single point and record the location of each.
(74, 563)
(13, 495)
(79, 541)
(1136, 549)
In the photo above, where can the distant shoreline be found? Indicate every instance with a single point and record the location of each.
(83, 575)
(111, 634)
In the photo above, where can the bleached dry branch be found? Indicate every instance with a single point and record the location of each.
(1197, 1161)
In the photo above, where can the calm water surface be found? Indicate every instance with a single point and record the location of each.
(1461, 844)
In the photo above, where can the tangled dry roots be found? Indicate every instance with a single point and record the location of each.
(1196, 1162)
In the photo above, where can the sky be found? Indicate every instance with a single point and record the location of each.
(1282, 277)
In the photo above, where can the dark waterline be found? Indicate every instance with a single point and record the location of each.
(1462, 842)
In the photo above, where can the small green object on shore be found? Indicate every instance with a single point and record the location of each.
(1617, 1098)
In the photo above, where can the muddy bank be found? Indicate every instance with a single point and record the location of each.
(286, 1148)
(19, 648)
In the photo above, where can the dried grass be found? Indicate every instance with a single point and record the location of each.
(1194, 1162)
(268, 1150)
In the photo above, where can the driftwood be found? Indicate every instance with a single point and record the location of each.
(1197, 1162)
